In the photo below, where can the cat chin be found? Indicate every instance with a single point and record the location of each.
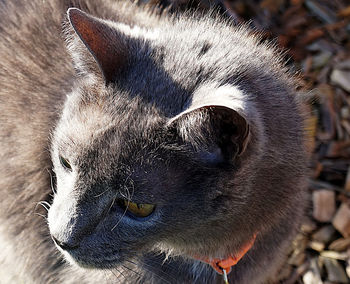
(92, 262)
(171, 251)
(189, 253)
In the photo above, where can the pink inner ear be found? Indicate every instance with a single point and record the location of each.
(104, 43)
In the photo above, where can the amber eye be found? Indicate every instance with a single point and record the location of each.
(139, 209)
(65, 163)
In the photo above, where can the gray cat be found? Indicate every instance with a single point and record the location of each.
(174, 144)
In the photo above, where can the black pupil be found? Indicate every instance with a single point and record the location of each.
(65, 163)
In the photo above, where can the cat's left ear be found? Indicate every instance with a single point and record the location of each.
(99, 48)
(215, 126)
(217, 132)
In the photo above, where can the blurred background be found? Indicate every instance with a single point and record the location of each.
(315, 36)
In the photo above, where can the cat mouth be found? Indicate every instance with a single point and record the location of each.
(87, 258)
(93, 260)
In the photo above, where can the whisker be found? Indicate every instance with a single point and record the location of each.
(125, 210)
(112, 203)
(121, 273)
(35, 213)
(43, 204)
(46, 203)
(148, 270)
(52, 183)
(100, 194)
(128, 268)
(169, 267)
(128, 196)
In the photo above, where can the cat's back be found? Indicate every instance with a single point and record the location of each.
(35, 70)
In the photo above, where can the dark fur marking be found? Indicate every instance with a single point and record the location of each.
(204, 49)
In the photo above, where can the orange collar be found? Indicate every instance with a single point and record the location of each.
(225, 264)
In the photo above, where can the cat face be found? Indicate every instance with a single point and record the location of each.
(142, 160)
(138, 171)
(136, 156)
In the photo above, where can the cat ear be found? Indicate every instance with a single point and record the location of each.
(215, 126)
(219, 132)
(103, 42)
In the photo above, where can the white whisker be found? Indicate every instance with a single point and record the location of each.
(52, 183)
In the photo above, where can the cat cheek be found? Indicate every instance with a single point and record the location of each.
(212, 157)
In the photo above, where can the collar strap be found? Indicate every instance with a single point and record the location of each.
(220, 264)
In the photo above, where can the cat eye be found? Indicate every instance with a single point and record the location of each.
(141, 210)
(65, 163)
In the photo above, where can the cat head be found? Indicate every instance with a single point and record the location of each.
(155, 146)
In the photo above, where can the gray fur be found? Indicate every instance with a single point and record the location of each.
(156, 134)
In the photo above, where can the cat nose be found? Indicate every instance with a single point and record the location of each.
(63, 245)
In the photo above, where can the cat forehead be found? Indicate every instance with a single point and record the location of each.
(208, 39)
(191, 52)
(107, 118)
(191, 38)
